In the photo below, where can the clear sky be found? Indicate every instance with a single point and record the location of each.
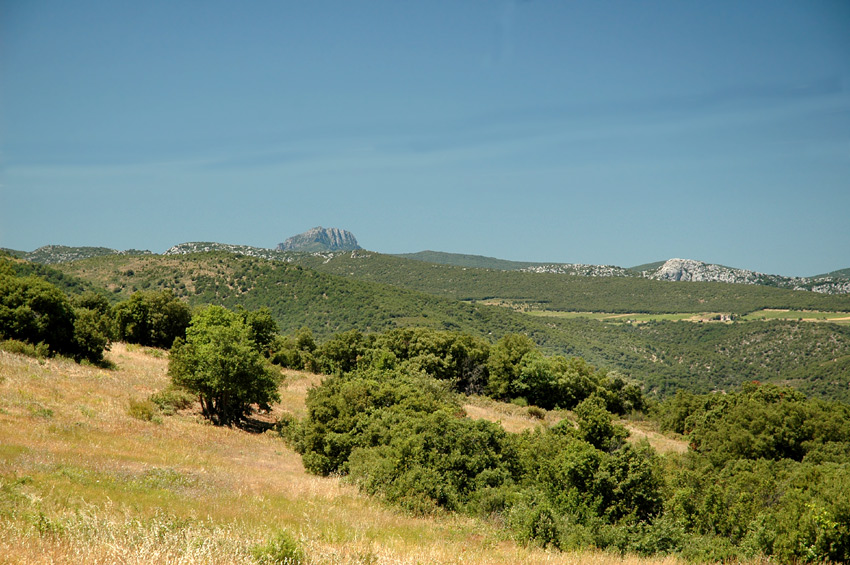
(545, 130)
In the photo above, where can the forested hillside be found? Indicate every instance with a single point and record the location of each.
(68, 283)
(572, 288)
(665, 356)
(297, 296)
(569, 292)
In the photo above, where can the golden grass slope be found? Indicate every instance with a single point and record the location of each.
(81, 481)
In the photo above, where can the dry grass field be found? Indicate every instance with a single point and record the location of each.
(516, 419)
(83, 481)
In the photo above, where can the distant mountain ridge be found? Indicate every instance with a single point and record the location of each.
(464, 260)
(327, 242)
(836, 282)
(321, 239)
(841, 273)
(54, 254)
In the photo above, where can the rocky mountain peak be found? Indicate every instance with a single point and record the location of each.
(690, 270)
(321, 239)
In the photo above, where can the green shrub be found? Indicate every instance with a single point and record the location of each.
(35, 311)
(279, 549)
(263, 329)
(288, 427)
(489, 502)
(445, 355)
(534, 521)
(759, 422)
(91, 334)
(39, 351)
(436, 460)
(596, 426)
(144, 410)
(341, 353)
(361, 410)
(295, 351)
(173, 398)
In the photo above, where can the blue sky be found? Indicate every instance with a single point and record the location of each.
(546, 130)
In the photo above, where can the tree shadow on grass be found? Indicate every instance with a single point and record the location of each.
(255, 425)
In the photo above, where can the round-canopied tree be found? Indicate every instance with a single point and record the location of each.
(151, 318)
(220, 363)
(36, 311)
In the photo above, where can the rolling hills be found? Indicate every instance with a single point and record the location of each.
(328, 243)
(567, 291)
(664, 356)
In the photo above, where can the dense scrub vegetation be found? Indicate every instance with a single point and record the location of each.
(770, 470)
(512, 369)
(665, 356)
(463, 260)
(552, 291)
(297, 297)
(767, 473)
(151, 318)
(37, 318)
(69, 284)
(569, 292)
(668, 356)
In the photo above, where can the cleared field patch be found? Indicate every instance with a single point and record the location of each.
(83, 481)
(705, 317)
(800, 315)
(635, 317)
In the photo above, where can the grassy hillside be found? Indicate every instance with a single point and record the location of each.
(647, 266)
(843, 273)
(82, 481)
(463, 260)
